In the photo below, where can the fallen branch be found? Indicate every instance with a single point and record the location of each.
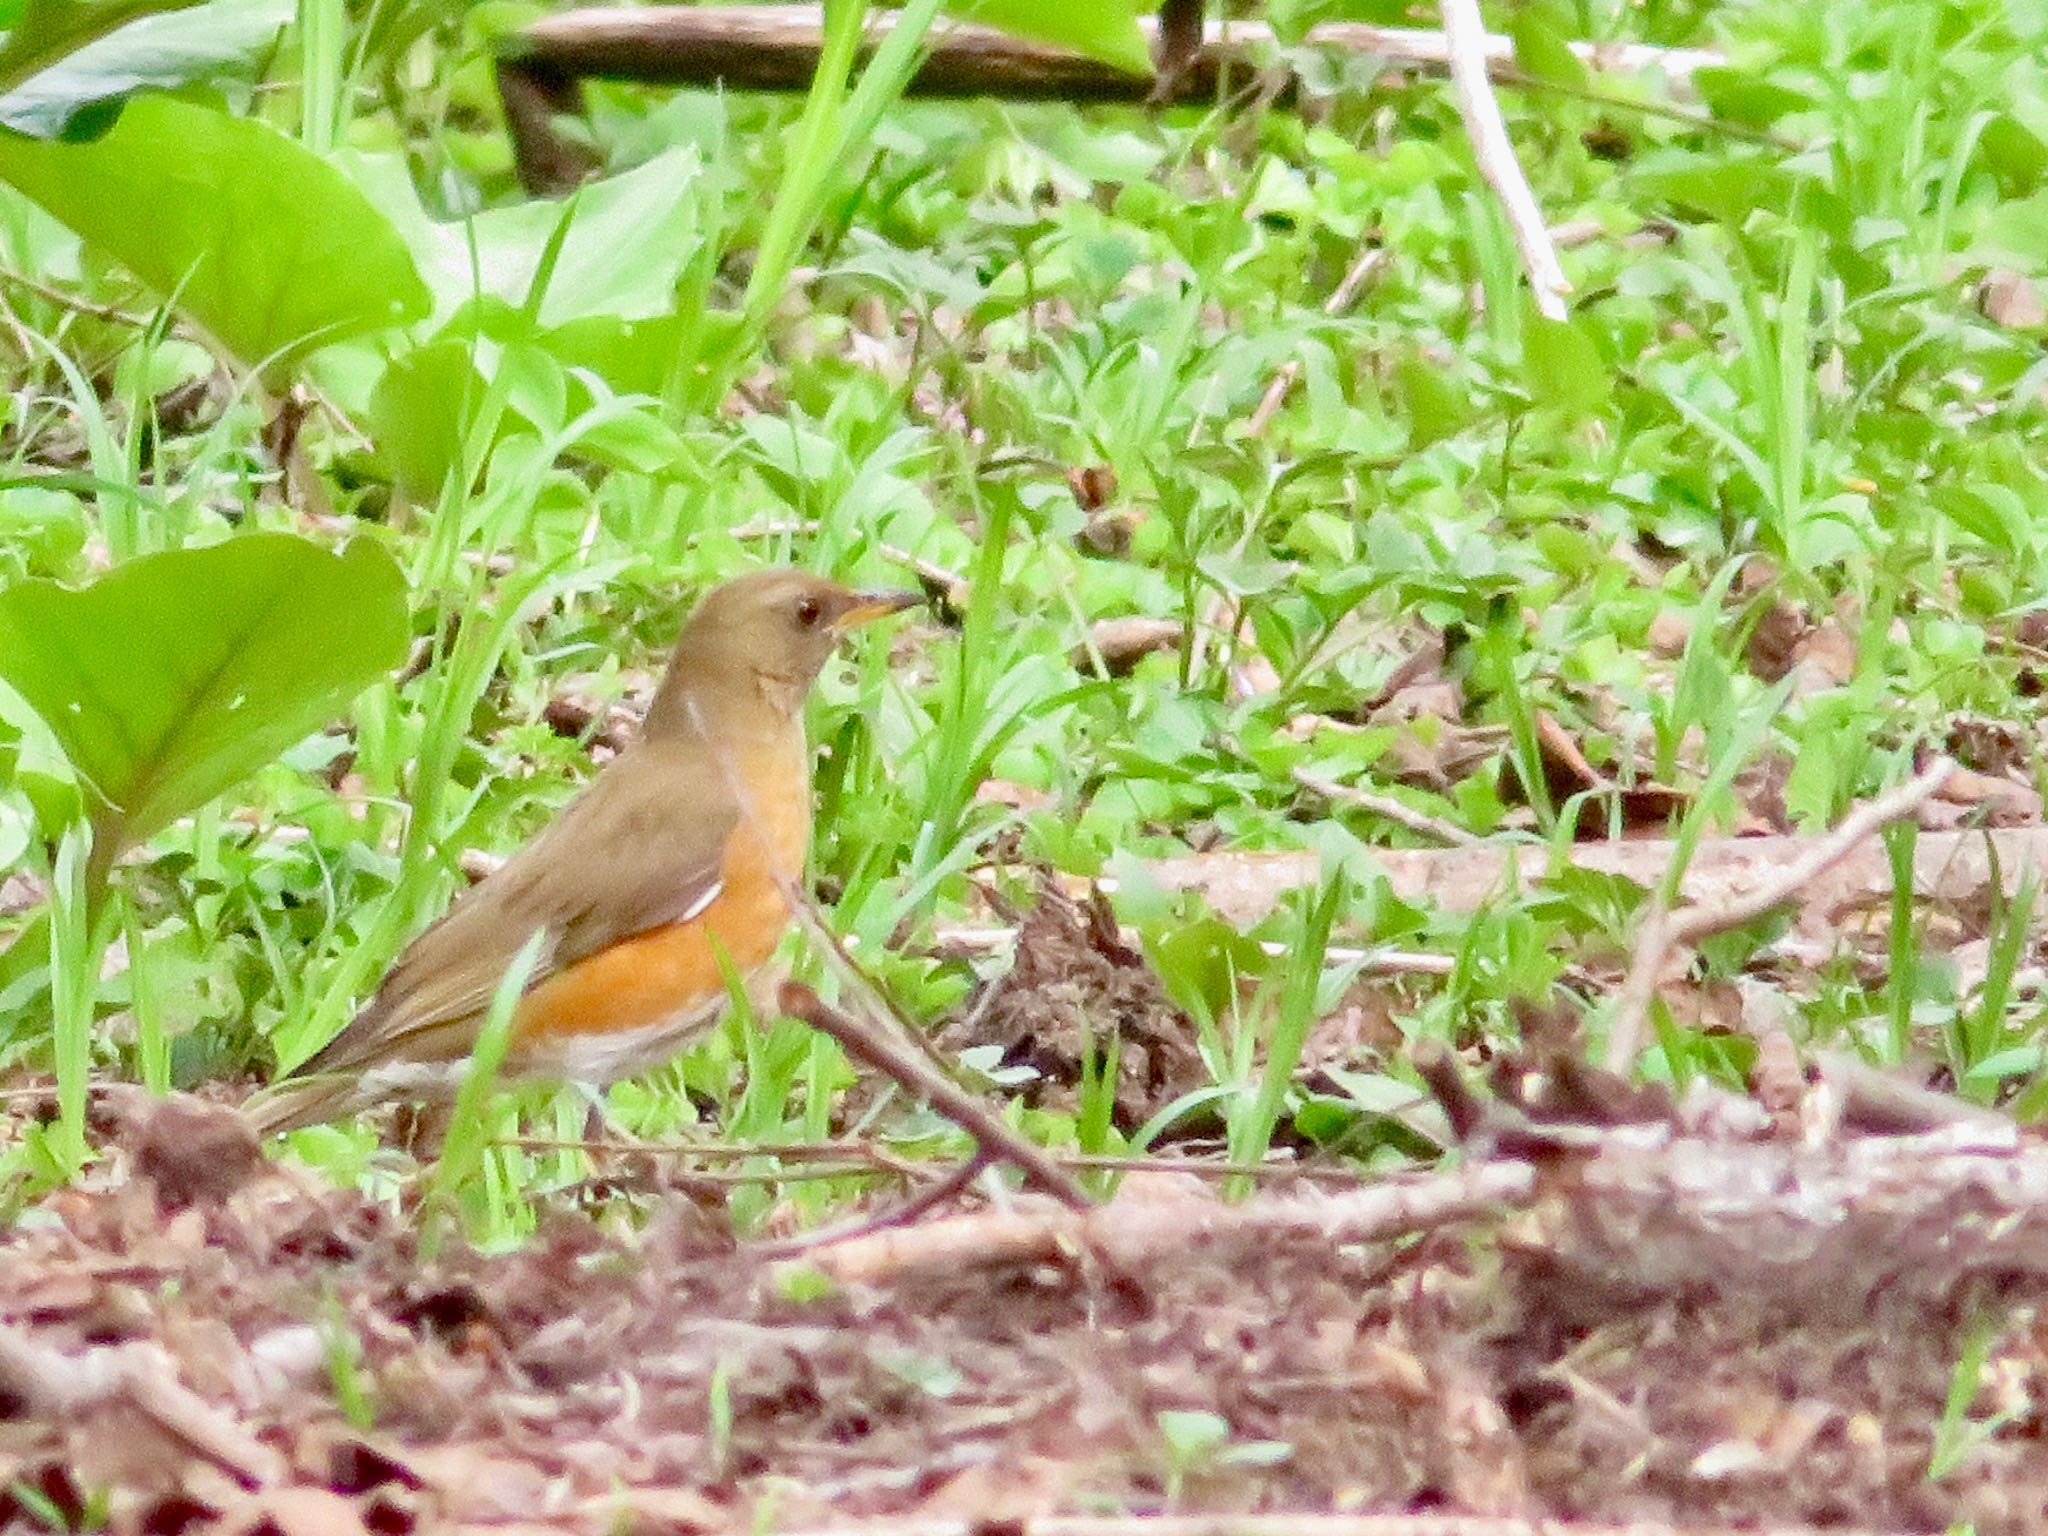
(1465, 35)
(1132, 1231)
(1664, 931)
(776, 48)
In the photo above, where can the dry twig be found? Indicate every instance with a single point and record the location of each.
(1665, 930)
(1372, 260)
(918, 1076)
(1131, 1232)
(1465, 36)
(1387, 807)
(963, 940)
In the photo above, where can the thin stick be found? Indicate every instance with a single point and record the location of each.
(1665, 930)
(1371, 261)
(1465, 35)
(902, 1214)
(74, 303)
(1391, 809)
(918, 1076)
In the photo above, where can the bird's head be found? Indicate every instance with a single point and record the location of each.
(761, 638)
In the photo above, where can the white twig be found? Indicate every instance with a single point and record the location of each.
(1465, 36)
(1372, 259)
(1664, 930)
(1390, 809)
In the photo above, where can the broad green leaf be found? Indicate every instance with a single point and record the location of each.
(1561, 366)
(421, 411)
(80, 95)
(1201, 963)
(1727, 190)
(1101, 29)
(2015, 152)
(1745, 96)
(266, 246)
(175, 675)
(627, 241)
(1541, 51)
(2016, 232)
(1435, 402)
(40, 32)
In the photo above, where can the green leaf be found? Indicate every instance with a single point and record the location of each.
(422, 409)
(2017, 233)
(627, 241)
(1541, 51)
(1727, 190)
(1101, 29)
(175, 675)
(40, 32)
(225, 37)
(1436, 403)
(1744, 96)
(1202, 962)
(268, 247)
(1562, 367)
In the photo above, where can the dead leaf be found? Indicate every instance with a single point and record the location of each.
(2011, 299)
(195, 1152)
(1019, 797)
(1669, 633)
(1123, 643)
(1093, 485)
(295, 1512)
(1824, 657)
(1774, 643)
(1995, 801)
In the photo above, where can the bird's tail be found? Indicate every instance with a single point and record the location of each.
(296, 1102)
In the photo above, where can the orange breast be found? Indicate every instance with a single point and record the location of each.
(647, 982)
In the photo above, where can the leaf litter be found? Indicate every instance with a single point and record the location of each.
(1704, 1314)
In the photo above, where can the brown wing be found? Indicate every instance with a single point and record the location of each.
(642, 847)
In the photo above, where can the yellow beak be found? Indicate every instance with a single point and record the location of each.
(874, 605)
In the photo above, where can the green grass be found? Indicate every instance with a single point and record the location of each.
(904, 325)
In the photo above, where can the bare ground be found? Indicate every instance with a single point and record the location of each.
(1705, 1321)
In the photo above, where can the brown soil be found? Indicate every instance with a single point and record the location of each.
(178, 1349)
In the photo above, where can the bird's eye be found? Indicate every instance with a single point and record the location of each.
(808, 611)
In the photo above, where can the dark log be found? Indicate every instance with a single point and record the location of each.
(776, 47)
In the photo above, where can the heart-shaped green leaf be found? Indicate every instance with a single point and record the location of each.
(260, 241)
(175, 675)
